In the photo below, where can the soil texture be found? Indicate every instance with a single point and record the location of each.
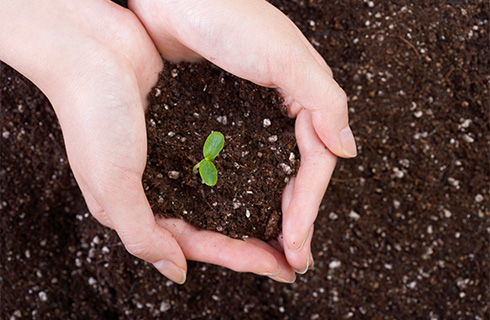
(403, 231)
(258, 156)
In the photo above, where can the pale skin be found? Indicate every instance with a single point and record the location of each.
(96, 62)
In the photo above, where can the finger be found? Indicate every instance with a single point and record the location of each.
(287, 194)
(251, 255)
(96, 209)
(301, 261)
(133, 220)
(158, 29)
(286, 274)
(93, 206)
(306, 84)
(173, 50)
(317, 165)
(318, 58)
(292, 106)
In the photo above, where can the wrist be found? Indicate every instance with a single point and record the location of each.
(30, 36)
(60, 43)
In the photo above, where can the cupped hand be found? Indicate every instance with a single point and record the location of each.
(96, 63)
(255, 41)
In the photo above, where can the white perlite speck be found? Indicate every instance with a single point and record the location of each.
(247, 213)
(447, 213)
(398, 173)
(273, 138)
(429, 229)
(334, 264)
(453, 182)
(164, 306)
(466, 123)
(478, 198)
(396, 204)
(236, 204)
(266, 123)
(43, 296)
(222, 119)
(174, 175)
(354, 215)
(287, 169)
(468, 138)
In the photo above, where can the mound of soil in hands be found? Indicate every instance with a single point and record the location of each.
(253, 168)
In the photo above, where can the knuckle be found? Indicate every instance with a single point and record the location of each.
(339, 97)
(329, 70)
(141, 240)
(102, 217)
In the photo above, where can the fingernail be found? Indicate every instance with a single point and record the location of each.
(312, 261)
(306, 269)
(348, 142)
(275, 278)
(171, 271)
(269, 274)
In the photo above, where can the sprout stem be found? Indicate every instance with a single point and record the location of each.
(196, 168)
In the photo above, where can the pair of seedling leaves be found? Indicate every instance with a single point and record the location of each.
(212, 147)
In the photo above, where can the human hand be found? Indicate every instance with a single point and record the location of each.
(95, 62)
(255, 41)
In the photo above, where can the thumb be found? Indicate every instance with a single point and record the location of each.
(308, 84)
(134, 222)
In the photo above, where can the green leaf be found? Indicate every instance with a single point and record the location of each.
(208, 172)
(213, 145)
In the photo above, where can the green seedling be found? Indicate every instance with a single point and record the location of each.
(213, 145)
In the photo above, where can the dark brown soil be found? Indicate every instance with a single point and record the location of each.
(258, 156)
(403, 232)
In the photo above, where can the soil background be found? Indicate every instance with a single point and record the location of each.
(404, 228)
